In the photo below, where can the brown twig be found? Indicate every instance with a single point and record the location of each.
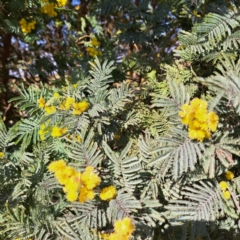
(193, 71)
(6, 110)
(79, 39)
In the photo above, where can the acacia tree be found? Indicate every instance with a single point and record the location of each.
(129, 124)
(42, 39)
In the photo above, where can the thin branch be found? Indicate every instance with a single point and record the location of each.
(235, 200)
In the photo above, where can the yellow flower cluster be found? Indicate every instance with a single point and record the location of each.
(27, 27)
(48, 109)
(58, 132)
(49, 9)
(123, 230)
(41, 102)
(108, 193)
(229, 175)
(224, 186)
(77, 186)
(77, 107)
(66, 105)
(93, 51)
(80, 107)
(61, 3)
(1, 154)
(200, 122)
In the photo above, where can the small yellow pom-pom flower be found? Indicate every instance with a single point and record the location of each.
(69, 171)
(71, 185)
(229, 175)
(61, 3)
(58, 132)
(83, 195)
(108, 193)
(76, 109)
(213, 121)
(72, 196)
(226, 195)
(61, 177)
(50, 109)
(114, 236)
(69, 102)
(79, 108)
(1, 154)
(124, 226)
(49, 9)
(223, 185)
(41, 102)
(83, 105)
(104, 236)
(56, 95)
(90, 179)
(90, 195)
(57, 166)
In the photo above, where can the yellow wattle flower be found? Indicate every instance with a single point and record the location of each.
(1, 154)
(229, 175)
(58, 132)
(69, 171)
(49, 9)
(83, 105)
(69, 102)
(80, 107)
(61, 177)
(56, 95)
(41, 102)
(124, 227)
(61, 3)
(89, 178)
(114, 236)
(58, 165)
(50, 109)
(223, 185)
(72, 196)
(83, 194)
(76, 185)
(227, 195)
(90, 195)
(108, 193)
(27, 27)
